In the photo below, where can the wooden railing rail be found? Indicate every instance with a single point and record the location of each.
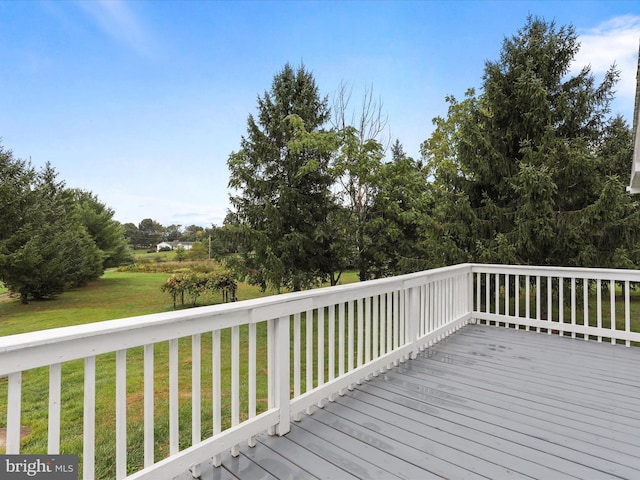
(587, 303)
(306, 347)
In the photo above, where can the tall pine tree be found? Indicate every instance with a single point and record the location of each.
(536, 158)
(281, 186)
(46, 249)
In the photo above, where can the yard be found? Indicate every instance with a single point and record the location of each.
(119, 295)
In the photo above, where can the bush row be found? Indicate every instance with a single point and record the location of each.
(194, 284)
(170, 267)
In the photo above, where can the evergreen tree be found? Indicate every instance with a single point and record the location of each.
(282, 195)
(107, 233)
(16, 178)
(531, 163)
(48, 250)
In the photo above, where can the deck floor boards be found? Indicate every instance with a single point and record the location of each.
(486, 402)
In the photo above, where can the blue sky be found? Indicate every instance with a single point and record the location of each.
(142, 102)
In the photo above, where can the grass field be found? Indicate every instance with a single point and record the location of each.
(115, 295)
(118, 295)
(164, 256)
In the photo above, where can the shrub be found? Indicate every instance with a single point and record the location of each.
(195, 284)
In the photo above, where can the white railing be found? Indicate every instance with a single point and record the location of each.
(299, 349)
(587, 303)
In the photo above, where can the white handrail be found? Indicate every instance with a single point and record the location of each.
(537, 297)
(352, 332)
(383, 322)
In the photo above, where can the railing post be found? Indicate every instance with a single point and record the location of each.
(55, 382)
(89, 419)
(279, 389)
(14, 403)
(470, 296)
(121, 414)
(413, 316)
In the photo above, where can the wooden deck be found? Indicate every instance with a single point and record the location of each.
(485, 403)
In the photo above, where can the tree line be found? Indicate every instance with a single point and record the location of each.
(207, 242)
(52, 237)
(148, 233)
(531, 169)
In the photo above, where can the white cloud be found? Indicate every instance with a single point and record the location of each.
(117, 19)
(134, 207)
(615, 40)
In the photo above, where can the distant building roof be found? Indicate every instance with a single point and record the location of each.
(174, 244)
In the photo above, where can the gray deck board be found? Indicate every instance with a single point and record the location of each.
(486, 402)
(306, 456)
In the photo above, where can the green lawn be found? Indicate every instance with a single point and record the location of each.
(145, 255)
(117, 295)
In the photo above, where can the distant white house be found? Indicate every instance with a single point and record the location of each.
(173, 245)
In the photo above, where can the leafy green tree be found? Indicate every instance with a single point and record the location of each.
(198, 251)
(531, 163)
(133, 235)
(181, 253)
(358, 168)
(335, 233)
(399, 211)
(451, 229)
(172, 232)
(192, 233)
(282, 195)
(150, 232)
